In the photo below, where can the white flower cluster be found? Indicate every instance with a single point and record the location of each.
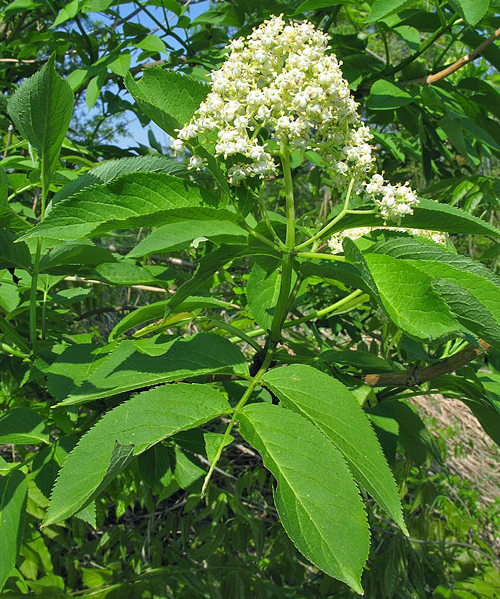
(393, 201)
(335, 242)
(280, 81)
(280, 78)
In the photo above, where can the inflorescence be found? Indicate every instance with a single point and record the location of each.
(279, 88)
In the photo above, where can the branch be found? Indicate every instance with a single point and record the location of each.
(430, 79)
(414, 377)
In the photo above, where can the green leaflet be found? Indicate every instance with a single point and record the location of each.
(471, 291)
(170, 99)
(385, 95)
(111, 169)
(383, 8)
(262, 291)
(126, 368)
(124, 433)
(11, 253)
(157, 311)
(406, 294)
(471, 313)
(13, 494)
(73, 366)
(328, 404)
(213, 262)
(133, 200)
(41, 109)
(471, 10)
(317, 500)
(178, 236)
(22, 426)
(430, 215)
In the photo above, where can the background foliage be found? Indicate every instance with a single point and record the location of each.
(151, 534)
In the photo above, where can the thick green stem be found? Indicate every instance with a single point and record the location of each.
(288, 251)
(36, 266)
(280, 311)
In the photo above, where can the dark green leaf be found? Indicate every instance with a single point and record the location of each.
(316, 497)
(41, 109)
(125, 432)
(133, 200)
(13, 493)
(126, 368)
(335, 411)
(22, 426)
(107, 171)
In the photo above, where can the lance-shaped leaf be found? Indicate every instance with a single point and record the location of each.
(41, 109)
(111, 169)
(133, 200)
(316, 497)
(170, 99)
(23, 426)
(157, 311)
(178, 236)
(335, 410)
(13, 494)
(406, 294)
(124, 433)
(126, 368)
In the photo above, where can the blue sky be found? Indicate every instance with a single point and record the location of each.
(138, 133)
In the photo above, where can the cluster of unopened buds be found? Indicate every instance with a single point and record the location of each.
(336, 241)
(278, 88)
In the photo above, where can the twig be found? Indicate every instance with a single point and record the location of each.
(418, 376)
(105, 309)
(94, 282)
(430, 79)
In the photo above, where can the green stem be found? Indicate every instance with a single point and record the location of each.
(269, 224)
(318, 255)
(36, 266)
(259, 236)
(229, 327)
(423, 48)
(344, 304)
(332, 223)
(239, 406)
(357, 295)
(13, 335)
(288, 251)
